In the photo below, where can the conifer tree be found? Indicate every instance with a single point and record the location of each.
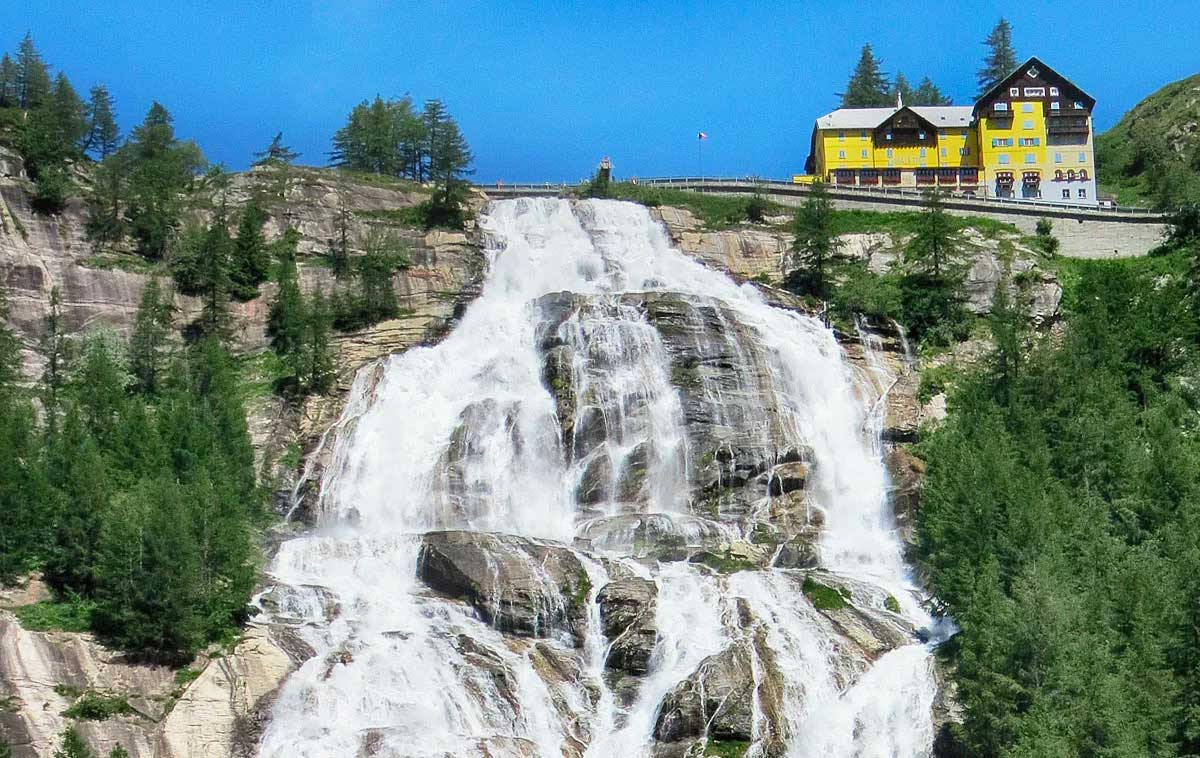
(77, 471)
(70, 114)
(902, 91)
(927, 93)
(276, 153)
(285, 322)
(1001, 58)
(102, 131)
(33, 76)
(214, 281)
(316, 371)
(105, 221)
(339, 248)
(937, 244)
(250, 258)
(815, 244)
(54, 352)
(868, 87)
(160, 169)
(449, 160)
(148, 343)
(8, 82)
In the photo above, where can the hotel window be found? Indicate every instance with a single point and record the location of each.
(1054, 106)
(864, 153)
(1004, 159)
(1058, 157)
(1028, 124)
(1027, 107)
(1035, 91)
(920, 135)
(1001, 106)
(1078, 105)
(1083, 157)
(889, 152)
(841, 155)
(1066, 194)
(941, 134)
(964, 151)
(1054, 91)
(889, 136)
(841, 136)
(922, 152)
(862, 135)
(1082, 193)
(945, 152)
(1014, 91)
(1030, 158)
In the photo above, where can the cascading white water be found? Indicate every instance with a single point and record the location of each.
(464, 435)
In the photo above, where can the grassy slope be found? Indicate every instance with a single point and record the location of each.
(1170, 113)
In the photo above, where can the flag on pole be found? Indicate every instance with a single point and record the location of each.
(701, 135)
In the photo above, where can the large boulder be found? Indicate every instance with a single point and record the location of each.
(518, 585)
(627, 614)
(717, 700)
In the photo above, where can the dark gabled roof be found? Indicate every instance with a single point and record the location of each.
(1044, 68)
(906, 108)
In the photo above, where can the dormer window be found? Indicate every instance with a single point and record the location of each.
(1054, 92)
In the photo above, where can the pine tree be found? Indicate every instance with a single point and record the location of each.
(816, 243)
(937, 243)
(285, 322)
(868, 87)
(317, 372)
(215, 283)
(250, 258)
(160, 169)
(77, 471)
(927, 93)
(105, 222)
(117, 752)
(33, 76)
(8, 82)
(1001, 58)
(449, 160)
(102, 132)
(70, 113)
(149, 342)
(54, 352)
(276, 153)
(339, 248)
(902, 91)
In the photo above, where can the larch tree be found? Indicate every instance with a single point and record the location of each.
(8, 82)
(816, 243)
(276, 153)
(103, 134)
(1001, 58)
(868, 87)
(149, 342)
(33, 75)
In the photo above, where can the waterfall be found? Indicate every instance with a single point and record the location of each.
(608, 410)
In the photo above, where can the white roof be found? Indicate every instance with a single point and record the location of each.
(945, 115)
(869, 118)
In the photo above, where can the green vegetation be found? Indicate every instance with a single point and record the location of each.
(869, 88)
(184, 677)
(892, 604)
(1001, 59)
(726, 562)
(300, 327)
(73, 746)
(715, 211)
(1060, 523)
(816, 244)
(823, 597)
(71, 614)
(93, 706)
(135, 493)
(392, 138)
(718, 748)
(1148, 157)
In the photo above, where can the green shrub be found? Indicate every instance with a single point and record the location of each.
(70, 615)
(96, 707)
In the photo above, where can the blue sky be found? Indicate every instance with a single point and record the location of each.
(543, 90)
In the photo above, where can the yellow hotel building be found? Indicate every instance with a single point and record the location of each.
(1029, 137)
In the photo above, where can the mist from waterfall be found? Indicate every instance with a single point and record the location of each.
(465, 435)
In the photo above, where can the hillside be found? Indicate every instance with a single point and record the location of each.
(1152, 155)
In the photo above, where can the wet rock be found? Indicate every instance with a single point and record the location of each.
(523, 586)
(557, 375)
(595, 486)
(627, 613)
(650, 534)
(907, 474)
(787, 477)
(717, 700)
(800, 552)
